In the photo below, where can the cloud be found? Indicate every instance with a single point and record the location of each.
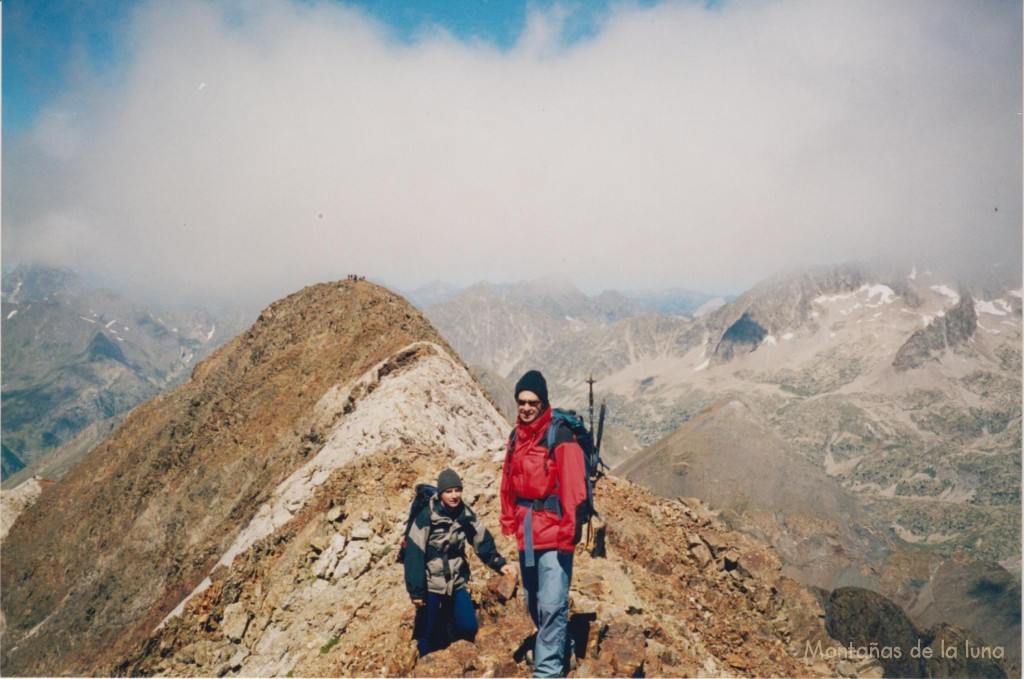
(251, 148)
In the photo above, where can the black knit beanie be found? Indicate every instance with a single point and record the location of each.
(533, 381)
(448, 479)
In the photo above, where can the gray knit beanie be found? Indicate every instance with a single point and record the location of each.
(448, 479)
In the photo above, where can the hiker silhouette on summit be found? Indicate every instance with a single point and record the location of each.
(436, 568)
(543, 491)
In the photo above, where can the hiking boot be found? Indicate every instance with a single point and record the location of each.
(529, 657)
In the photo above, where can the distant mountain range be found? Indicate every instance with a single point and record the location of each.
(854, 417)
(76, 358)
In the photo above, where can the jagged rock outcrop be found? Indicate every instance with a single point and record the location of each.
(946, 332)
(743, 336)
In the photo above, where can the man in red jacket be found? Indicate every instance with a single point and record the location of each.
(543, 484)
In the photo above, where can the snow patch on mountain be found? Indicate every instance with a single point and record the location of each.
(998, 307)
(946, 291)
(884, 294)
(870, 296)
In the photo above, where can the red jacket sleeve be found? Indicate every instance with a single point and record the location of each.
(572, 490)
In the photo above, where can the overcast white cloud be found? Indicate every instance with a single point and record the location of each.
(253, 148)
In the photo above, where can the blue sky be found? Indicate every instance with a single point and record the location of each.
(245, 148)
(44, 43)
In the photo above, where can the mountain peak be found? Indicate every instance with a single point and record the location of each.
(31, 282)
(187, 471)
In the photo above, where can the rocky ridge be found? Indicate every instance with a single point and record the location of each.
(674, 593)
(149, 512)
(245, 522)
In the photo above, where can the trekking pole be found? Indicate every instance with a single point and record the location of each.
(590, 381)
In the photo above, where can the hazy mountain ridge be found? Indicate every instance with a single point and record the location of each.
(433, 292)
(75, 355)
(498, 326)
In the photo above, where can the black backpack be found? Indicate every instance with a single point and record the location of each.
(591, 455)
(424, 491)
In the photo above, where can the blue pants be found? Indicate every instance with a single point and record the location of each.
(546, 586)
(441, 609)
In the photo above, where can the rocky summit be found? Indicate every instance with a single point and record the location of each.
(245, 524)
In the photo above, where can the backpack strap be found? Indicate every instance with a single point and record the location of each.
(558, 433)
(508, 450)
(549, 504)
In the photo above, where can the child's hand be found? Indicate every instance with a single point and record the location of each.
(418, 602)
(509, 569)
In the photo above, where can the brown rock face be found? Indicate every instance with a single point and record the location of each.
(873, 626)
(106, 553)
(863, 618)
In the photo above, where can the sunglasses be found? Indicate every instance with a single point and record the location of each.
(523, 402)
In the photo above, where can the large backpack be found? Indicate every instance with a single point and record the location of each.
(591, 458)
(424, 491)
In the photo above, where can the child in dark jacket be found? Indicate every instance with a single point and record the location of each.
(436, 568)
